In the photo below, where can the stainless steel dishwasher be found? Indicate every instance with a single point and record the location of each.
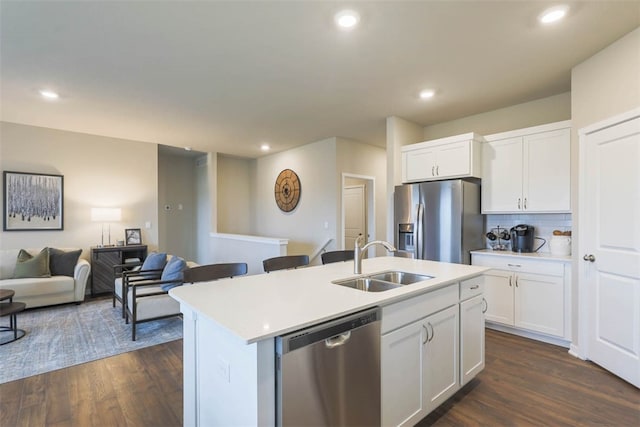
(329, 374)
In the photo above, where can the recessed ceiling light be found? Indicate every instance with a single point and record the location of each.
(49, 94)
(427, 94)
(265, 147)
(553, 14)
(347, 19)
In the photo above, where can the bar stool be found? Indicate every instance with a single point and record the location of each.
(10, 309)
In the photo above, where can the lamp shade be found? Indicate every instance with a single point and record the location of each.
(106, 214)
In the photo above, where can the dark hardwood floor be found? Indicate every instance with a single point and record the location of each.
(524, 383)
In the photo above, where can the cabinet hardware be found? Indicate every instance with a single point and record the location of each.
(432, 332)
(486, 305)
(514, 265)
(475, 287)
(432, 170)
(525, 203)
(590, 258)
(426, 334)
(516, 277)
(510, 277)
(518, 202)
(438, 170)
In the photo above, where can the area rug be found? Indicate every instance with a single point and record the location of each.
(70, 334)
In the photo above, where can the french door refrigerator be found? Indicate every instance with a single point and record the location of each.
(438, 220)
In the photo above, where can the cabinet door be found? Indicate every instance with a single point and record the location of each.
(547, 178)
(401, 377)
(502, 176)
(539, 303)
(471, 338)
(441, 357)
(453, 160)
(102, 275)
(498, 291)
(419, 165)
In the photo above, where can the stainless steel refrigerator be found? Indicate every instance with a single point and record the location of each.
(438, 220)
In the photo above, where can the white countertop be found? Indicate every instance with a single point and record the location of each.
(267, 305)
(534, 255)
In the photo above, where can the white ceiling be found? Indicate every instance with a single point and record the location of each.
(227, 76)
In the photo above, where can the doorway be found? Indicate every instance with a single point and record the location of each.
(358, 215)
(610, 245)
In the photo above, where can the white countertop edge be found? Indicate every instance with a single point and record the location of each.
(533, 255)
(250, 238)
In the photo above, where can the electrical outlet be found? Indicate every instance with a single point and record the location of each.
(224, 369)
(147, 225)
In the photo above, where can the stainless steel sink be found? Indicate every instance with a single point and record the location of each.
(367, 284)
(383, 281)
(399, 277)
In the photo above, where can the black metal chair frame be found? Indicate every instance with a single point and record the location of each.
(126, 276)
(337, 256)
(285, 262)
(209, 272)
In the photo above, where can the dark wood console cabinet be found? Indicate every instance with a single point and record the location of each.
(102, 261)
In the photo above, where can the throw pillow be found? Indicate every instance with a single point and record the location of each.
(32, 266)
(173, 271)
(154, 261)
(63, 263)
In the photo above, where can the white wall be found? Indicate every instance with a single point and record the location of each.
(205, 176)
(234, 205)
(605, 85)
(177, 204)
(315, 165)
(98, 172)
(541, 111)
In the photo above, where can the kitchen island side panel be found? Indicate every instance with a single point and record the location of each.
(229, 383)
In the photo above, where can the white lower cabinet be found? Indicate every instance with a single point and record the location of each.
(471, 338)
(528, 294)
(428, 343)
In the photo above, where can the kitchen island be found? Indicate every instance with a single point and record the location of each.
(230, 328)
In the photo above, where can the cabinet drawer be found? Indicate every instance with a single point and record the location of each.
(520, 264)
(412, 309)
(471, 287)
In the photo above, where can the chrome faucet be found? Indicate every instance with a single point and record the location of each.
(360, 250)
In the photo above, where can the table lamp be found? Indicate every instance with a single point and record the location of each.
(106, 215)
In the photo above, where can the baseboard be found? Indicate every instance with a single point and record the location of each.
(575, 352)
(527, 334)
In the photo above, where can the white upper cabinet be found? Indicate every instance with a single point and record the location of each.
(453, 157)
(528, 170)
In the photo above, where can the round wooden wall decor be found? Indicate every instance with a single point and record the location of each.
(287, 190)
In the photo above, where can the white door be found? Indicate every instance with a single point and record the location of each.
(355, 218)
(498, 291)
(610, 244)
(471, 338)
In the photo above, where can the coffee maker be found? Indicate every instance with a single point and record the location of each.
(522, 238)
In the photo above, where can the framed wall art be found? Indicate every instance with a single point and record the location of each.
(132, 236)
(32, 201)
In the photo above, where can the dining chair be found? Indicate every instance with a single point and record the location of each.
(206, 273)
(285, 262)
(337, 256)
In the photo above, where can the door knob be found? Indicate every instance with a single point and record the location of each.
(589, 258)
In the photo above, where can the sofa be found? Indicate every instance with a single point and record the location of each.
(43, 291)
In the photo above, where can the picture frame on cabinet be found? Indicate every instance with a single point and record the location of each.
(33, 201)
(132, 236)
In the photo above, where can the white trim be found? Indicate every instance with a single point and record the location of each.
(583, 294)
(574, 350)
(250, 238)
(526, 334)
(440, 141)
(611, 121)
(371, 196)
(528, 131)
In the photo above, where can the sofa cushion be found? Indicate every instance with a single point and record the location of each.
(8, 262)
(28, 265)
(30, 287)
(63, 263)
(154, 261)
(174, 270)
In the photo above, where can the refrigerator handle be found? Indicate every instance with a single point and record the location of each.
(419, 231)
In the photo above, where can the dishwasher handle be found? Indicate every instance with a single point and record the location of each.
(338, 340)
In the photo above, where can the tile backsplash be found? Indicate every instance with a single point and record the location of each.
(544, 225)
